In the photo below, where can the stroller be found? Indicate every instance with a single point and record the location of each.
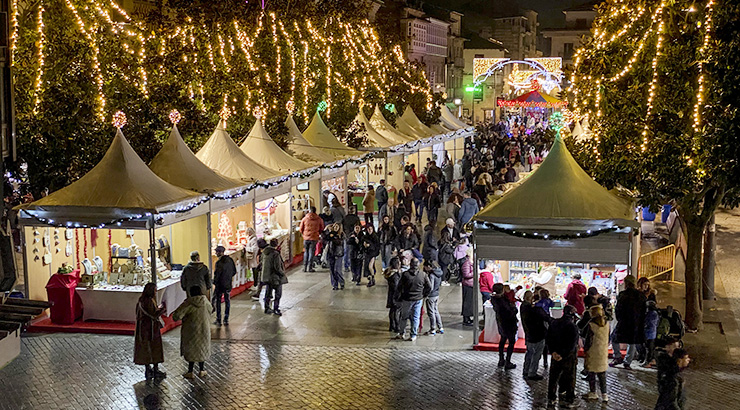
(670, 324)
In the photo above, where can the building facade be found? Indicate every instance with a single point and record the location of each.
(562, 42)
(425, 42)
(455, 58)
(484, 108)
(517, 33)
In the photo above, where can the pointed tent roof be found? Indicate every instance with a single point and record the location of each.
(410, 117)
(384, 128)
(407, 129)
(176, 164)
(222, 154)
(450, 118)
(119, 185)
(373, 136)
(577, 130)
(439, 129)
(319, 135)
(301, 147)
(558, 190)
(585, 125)
(262, 149)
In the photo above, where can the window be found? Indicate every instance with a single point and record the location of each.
(581, 23)
(479, 56)
(567, 51)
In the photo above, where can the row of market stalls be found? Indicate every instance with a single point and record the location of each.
(125, 224)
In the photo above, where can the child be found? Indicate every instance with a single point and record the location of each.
(651, 331)
(545, 302)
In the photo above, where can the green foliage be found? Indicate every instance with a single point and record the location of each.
(196, 57)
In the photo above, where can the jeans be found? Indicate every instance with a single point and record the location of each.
(435, 319)
(386, 253)
(592, 382)
(419, 205)
(308, 254)
(368, 218)
(278, 294)
(411, 310)
(532, 357)
(335, 269)
(562, 377)
(356, 267)
(432, 216)
(382, 211)
(631, 351)
(346, 256)
(649, 350)
(511, 338)
(394, 317)
(486, 296)
(217, 301)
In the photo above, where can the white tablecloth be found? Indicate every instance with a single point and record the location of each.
(119, 303)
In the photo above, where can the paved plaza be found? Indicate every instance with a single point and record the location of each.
(330, 350)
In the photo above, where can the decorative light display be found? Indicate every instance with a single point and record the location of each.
(322, 106)
(119, 119)
(390, 107)
(175, 117)
(643, 29)
(556, 122)
(544, 236)
(302, 56)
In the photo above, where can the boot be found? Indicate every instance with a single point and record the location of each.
(371, 282)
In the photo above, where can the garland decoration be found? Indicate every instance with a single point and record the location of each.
(545, 236)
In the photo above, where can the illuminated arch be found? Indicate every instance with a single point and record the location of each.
(485, 67)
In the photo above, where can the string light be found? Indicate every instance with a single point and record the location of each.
(175, 117)
(700, 65)
(119, 119)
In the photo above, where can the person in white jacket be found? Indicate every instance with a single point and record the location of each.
(457, 173)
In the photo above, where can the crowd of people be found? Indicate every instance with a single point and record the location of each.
(417, 262)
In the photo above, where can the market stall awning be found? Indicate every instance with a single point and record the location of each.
(176, 164)
(411, 119)
(533, 99)
(407, 129)
(374, 138)
(559, 192)
(319, 135)
(451, 119)
(262, 149)
(384, 128)
(119, 186)
(302, 148)
(222, 154)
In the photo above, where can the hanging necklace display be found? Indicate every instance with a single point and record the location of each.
(98, 261)
(110, 251)
(68, 249)
(77, 248)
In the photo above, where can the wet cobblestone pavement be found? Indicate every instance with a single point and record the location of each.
(96, 372)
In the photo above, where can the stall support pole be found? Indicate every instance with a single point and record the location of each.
(26, 292)
(385, 166)
(476, 290)
(209, 229)
(152, 250)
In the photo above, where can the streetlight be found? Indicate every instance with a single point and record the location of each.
(477, 95)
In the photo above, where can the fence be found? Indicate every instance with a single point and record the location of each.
(658, 262)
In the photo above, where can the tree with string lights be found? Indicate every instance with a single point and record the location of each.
(660, 84)
(78, 61)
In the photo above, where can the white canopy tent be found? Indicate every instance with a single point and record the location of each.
(410, 118)
(262, 149)
(374, 138)
(451, 119)
(577, 130)
(176, 164)
(407, 129)
(222, 154)
(559, 214)
(319, 135)
(384, 128)
(302, 148)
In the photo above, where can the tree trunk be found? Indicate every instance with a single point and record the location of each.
(694, 235)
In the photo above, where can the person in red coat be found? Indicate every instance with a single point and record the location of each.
(311, 227)
(575, 293)
(486, 282)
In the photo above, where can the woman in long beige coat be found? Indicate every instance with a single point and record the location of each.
(597, 352)
(195, 336)
(147, 337)
(368, 205)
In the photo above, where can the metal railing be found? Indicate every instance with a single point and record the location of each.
(658, 263)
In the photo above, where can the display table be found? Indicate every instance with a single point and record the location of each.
(119, 302)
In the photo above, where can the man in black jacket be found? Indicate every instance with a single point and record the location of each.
(630, 329)
(562, 342)
(534, 321)
(413, 287)
(223, 274)
(507, 325)
(381, 195)
(196, 273)
(348, 224)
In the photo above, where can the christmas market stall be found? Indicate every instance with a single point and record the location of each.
(112, 231)
(176, 164)
(556, 224)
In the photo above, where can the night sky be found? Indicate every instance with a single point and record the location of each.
(477, 12)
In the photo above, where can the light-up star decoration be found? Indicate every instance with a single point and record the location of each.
(175, 117)
(257, 113)
(390, 107)
(290, 106)
(322, 106)
(557, 122)
(119, 119)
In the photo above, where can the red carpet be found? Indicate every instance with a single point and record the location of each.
(43, 324)
(519, 347)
